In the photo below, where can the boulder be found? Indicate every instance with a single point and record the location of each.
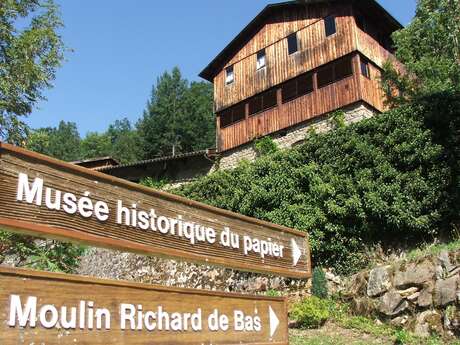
(408, 292)
(445, 291)
(356, 285)
(444, 260)
(427, 323)
(363, 306)
(392, 304)
(379, 281)
(413, 274)
(425, 299)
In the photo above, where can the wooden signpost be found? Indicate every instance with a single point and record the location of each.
(50, 198)
(45, 197)
(44, 308)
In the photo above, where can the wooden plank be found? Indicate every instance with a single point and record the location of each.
(118, 214)
(47, 308)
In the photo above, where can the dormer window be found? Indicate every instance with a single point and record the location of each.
(261, 59)
(329, 25)
(229, 75)
(293, 45)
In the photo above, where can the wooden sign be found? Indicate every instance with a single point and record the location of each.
(46, 197)
(44, 308)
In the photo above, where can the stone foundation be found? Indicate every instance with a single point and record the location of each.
(296, 134)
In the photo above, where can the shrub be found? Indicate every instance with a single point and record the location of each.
(319, 283)
(265, 146)
(312, 312)
(394, 176)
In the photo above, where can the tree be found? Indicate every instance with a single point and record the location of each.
(30, 52)
(62, 142)
(429, 48)
(178, 117)
(95, 145)
(125, 141)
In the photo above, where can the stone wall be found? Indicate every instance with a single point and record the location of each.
(296, 134)
(108, 264)
(422, 295)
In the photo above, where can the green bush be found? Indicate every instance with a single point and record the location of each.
(312, 312)
(265, 146)
(395, 176)
(319, 283)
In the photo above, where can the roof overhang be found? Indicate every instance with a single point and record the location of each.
(255, 25)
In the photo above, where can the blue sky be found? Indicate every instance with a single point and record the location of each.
(121, 47)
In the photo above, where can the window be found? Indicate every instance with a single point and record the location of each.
(325, 76)
(232, 115)
(335, 71)
(365, 68)
(261, 60)
(263, 101)
(293, 45)
(329, 24)
(297, 87)
(229, 75)
(343, 68)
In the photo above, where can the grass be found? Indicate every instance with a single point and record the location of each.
(433, 249)
(360, 327)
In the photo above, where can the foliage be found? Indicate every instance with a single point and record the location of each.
(120, 141)
(395, 176)
(319, 283)
(62, 142)
(30, 52)
(178, 117)
(39, 254)
(265, 146)
(312, 312)
(155, 184)
(338, 118)
(273, 293)
(429, 48)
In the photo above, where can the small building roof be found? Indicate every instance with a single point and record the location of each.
(97, 163)
(255, 25)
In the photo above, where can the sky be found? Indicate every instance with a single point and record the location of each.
(120, 48)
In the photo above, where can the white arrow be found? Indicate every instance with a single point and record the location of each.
(296, 252)
(274, 321)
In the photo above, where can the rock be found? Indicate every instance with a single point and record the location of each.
(399, 321)
(356, 286)
(408, 292)
(444, 260)
(427, 323)
(425, 299)
(379, 281)
(392, 304)
(413, 297)
(363, 306)
(445, 291)
(414, 274)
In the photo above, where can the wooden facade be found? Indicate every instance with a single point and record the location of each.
(356, 45)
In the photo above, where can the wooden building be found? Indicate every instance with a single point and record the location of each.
(297, 61)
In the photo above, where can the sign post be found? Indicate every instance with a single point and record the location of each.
(46, 197)
(46, 308)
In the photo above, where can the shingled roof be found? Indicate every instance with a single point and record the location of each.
(257, 23)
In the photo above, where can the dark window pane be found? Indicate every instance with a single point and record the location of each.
(365, 68)
(239, 112)
(269, 99)
(343, 68)
(261, 59)
(229, 75)
(325, 76)
(329, 23)
(292, 43)
(304, 84)
(255, 104)
(226, 118)
(289, 90)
